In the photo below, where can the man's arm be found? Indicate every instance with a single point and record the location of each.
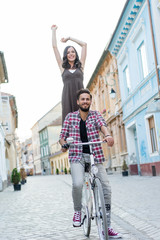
(107, 136)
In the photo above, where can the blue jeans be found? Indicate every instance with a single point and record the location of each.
(77, 173)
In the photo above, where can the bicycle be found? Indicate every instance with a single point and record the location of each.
(93, 205)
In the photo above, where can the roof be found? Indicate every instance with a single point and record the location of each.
(56, 122)
(136, 5)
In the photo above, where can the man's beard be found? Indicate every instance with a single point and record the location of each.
(84, 109)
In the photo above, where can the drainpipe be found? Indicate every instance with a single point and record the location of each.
(154, 49)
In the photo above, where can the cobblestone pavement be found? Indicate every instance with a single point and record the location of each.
(43, 209)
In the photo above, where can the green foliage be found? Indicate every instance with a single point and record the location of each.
(65, 170)
(57, 171)
(124, 166)
(15, 177)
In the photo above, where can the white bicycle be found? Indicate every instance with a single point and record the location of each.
(93, 205)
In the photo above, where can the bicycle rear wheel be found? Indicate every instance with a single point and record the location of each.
(101, 217)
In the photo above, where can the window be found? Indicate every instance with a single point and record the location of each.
(42, 152)
(46, 134)
(152, 134)
(41, 137)
(96, 94)
(143, 60)
(113, 147)
(127, 80)
(47, 152)
(103, 99)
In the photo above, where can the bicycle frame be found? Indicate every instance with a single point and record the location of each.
(90, 197)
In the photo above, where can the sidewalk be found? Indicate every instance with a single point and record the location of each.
(43, 209)
(136, 201)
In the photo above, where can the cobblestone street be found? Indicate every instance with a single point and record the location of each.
(43, 209)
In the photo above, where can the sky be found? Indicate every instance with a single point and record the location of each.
(25, 39)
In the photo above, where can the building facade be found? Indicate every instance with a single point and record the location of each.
(9, 119)
(27, 159)
(135, 44)
(59, 160)
(36, 149)
(107, 100)
(3, 167)
(45, 134)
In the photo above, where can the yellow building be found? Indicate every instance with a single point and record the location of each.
(58, 160)
(106, 99)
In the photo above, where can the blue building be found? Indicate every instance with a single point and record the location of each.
(136, 45)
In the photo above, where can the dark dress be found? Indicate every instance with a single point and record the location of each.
(72, 83)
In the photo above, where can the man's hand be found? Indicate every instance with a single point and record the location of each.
(109, 139)
(65, 147)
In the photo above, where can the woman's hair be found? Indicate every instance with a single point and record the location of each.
(83, 90)
(65, 63)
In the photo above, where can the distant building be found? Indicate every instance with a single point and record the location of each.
(36, 149)
(45, 134)
(27, 156)
(58, 160)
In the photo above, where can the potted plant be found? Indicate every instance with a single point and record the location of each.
(15, 179)
(57, 171)
(65, 170)
(23, 175)
(124, 168)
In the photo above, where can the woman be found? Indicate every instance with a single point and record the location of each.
(72, 71)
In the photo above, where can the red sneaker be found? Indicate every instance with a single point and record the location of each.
(77, 219)
(113, 234)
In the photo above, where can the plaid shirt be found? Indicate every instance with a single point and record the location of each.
(71, 128)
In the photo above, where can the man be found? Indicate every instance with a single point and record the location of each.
(84, 126)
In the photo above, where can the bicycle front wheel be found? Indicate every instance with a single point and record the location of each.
(86, 208)
(101, 217)
(86, 221)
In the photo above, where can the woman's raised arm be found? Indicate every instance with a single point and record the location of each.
(55, 48)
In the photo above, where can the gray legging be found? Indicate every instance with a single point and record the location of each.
(77, 173)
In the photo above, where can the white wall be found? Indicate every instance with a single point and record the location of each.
(3, 169)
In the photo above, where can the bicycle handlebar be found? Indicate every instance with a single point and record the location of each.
(70, 141)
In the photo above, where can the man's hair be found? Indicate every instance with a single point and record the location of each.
(81, 91)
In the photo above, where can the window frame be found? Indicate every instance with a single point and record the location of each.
(142, 61)
(128, 89)
(149, 141)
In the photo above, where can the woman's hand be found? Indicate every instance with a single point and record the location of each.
(64, 39)
(54, 27)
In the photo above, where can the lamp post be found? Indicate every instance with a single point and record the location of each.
(110, 83)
